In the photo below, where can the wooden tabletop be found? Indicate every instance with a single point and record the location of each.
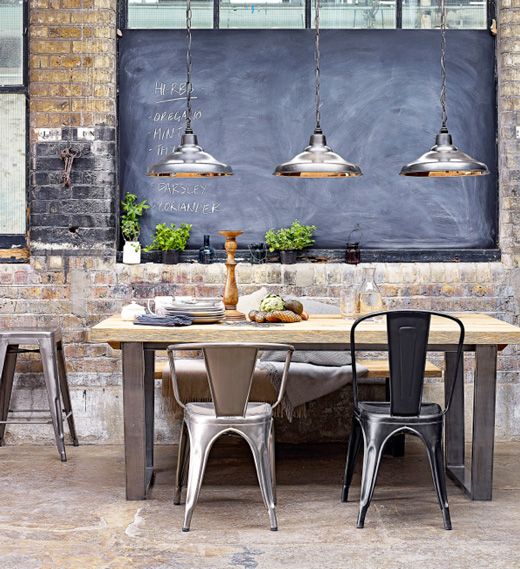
(319, 329)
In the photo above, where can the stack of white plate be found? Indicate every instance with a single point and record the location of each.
(201, 311)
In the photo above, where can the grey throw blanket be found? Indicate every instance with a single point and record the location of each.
(312, 375)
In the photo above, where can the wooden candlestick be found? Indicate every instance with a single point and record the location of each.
(230, 289)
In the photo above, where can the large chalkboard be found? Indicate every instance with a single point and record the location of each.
(253, 109)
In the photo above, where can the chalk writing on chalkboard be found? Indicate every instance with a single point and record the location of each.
(196, 207)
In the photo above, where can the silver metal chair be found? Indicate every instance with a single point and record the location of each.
(49, 345)
(374, 423)
(230, 368)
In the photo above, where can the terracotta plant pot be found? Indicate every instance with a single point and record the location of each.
(289, 257)
(132, 253)
(171, 257)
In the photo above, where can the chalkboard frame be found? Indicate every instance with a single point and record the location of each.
(337, 255)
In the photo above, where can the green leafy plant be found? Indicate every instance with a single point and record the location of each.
(297, 236)
(170, 238)
(130, 219)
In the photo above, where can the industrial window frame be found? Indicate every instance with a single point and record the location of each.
(13, 247)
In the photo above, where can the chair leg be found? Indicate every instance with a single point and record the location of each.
(7, 369)
(65, 394)
(49, 355)
(258, 439)
(436, 458)
(181, 464)
(272, 458)
(201, 439)
(354, 444)
(371, 461)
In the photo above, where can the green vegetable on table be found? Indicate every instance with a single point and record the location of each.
(272, 302)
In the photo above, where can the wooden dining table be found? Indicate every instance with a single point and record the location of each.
(485, 336)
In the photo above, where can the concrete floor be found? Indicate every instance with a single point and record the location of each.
(74, 515)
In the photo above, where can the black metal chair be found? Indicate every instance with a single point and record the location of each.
(376, 422)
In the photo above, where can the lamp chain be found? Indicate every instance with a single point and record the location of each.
(444, 113)
(188, 67)
(317, 61)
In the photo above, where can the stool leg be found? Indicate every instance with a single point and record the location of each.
(65, 394)
(7, 369)
(51, 374)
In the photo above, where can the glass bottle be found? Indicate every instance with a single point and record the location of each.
(206, 252)
(369, 298)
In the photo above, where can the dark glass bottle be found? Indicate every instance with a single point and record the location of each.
(206, 252)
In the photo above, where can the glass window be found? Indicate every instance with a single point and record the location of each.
(169, 14)
(12, 121)
(362, 14)
(264, 14)
(11, 42)
(12, 163)
(462, 14)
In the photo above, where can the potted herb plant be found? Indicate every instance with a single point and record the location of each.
(290, 240)
(131, 227)
(171, 240)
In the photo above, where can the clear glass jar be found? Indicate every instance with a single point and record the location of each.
(369, 298)
(348, 301)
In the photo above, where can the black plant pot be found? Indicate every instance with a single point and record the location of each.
(289, 257)
(171, 257)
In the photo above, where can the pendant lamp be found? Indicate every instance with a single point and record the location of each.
(444, 159)
(318, 160)
(189, 160)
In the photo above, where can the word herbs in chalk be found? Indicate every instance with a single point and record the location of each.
(174, 188)
(170, 88)
(195, 207)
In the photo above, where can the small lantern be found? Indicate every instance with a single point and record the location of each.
(353, 252)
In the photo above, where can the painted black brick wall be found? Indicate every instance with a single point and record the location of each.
(81, 217)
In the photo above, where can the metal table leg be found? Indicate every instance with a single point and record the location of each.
(484, 404)
(149, 408)
(454, 421)
(138, 474)
(478, 482)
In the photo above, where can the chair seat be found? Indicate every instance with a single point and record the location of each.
(206, 412)
(381, 410)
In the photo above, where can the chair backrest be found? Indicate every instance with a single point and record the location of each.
(407, 336)
(230, 368)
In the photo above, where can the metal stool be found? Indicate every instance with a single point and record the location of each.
(50, 347)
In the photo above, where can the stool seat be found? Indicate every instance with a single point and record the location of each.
(50, 346)
(28, 334)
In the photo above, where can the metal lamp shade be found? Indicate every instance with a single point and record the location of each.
(318, 161)
(189, 160)
(444, 160)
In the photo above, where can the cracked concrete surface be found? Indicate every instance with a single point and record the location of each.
(75, 515)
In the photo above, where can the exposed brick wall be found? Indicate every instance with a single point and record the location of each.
(73, 280)
(72, 83)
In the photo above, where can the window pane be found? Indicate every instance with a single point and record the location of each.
(363, 14)
(266, 14)
(425, 14)
(12, 163)
(169, 14)
(11, 42)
